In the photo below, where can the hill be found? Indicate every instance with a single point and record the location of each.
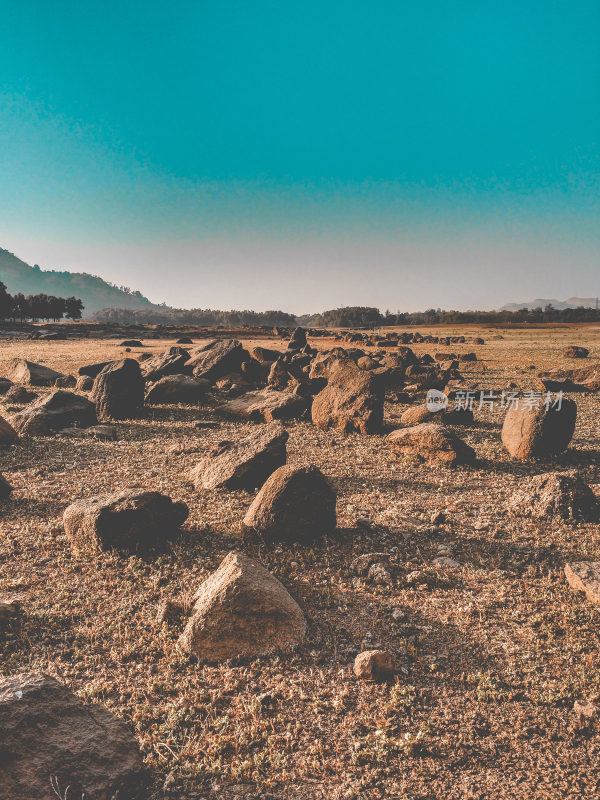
(560, 305)
(95, 292)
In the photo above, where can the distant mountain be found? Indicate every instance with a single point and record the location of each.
(95, 292)
(560, 305)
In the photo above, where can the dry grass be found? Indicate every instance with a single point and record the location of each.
(492, 655)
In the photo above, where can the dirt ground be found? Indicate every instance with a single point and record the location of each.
(492, 654)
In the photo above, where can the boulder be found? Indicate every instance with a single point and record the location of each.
(20, 394)
(173, 362)
(351, 401)
(5, 385)
(374, 665)
(584, 576)
(245, 464)
(265, 405)
(294, 504)
(84, 383)
(184, 340)
(431, 442)
(575, 351)
(538, 432)
(131, 343)
(297, 340)
(118, 390)
(242, 611)
(218, 359)
(8, 434)
(55, 746)
(51, 412)
(561, 494)
(91, 370)
(65, 382)
(177, 389)
(5, 488)
(19, 370)
(129, 520)
(264, 355)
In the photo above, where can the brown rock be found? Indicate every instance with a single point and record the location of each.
(5, 488)
(374, 665)
(118, 390)
(20, 370)
(130, 520)
(8, 434)
(431, 442)
(245, 464)
(265, 405)
(66, 382)
(51, 412)
(84, 383)
(295, 504)
(54, 745)
(218, 359)
(91, 370)
(351, 401)
(173, 362)
(538, 432)
(575, 351)
(20, 394)
(264, 355)
(177, 389)
(584, 576)
(562, 494)
(242, 611)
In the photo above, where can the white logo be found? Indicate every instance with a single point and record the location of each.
(436, 400)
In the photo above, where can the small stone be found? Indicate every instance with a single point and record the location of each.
(374, 665)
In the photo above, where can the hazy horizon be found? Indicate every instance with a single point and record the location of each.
(306, 157)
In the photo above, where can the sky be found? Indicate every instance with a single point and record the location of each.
(306, 155)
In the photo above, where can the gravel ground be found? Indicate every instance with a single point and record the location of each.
(492, 654)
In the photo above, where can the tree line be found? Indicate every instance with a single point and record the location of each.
(35, 307)
(368, 317)
(195, 316)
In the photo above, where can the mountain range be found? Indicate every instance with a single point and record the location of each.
(94, 292)
(560, 305)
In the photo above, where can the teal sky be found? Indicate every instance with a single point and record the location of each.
(306, 155)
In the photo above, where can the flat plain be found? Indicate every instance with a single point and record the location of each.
(492, 654)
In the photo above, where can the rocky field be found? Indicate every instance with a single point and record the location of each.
(488, 683)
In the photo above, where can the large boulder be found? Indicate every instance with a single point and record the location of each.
(5, 385)
(431, 442)
(19, 370)
(264, 355)
(52, 745)
(219, 359)
(562, 494)
(51, 412)
(448, 416)
(265, 405)
(530, 432)
(242, 611)
(245, 464)
(8, 434)
(294, 504)
(20, 394)
(351, 401)
(173, 362)
(91, 370)
(129, 520)
(118, 390)
(177, 389)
